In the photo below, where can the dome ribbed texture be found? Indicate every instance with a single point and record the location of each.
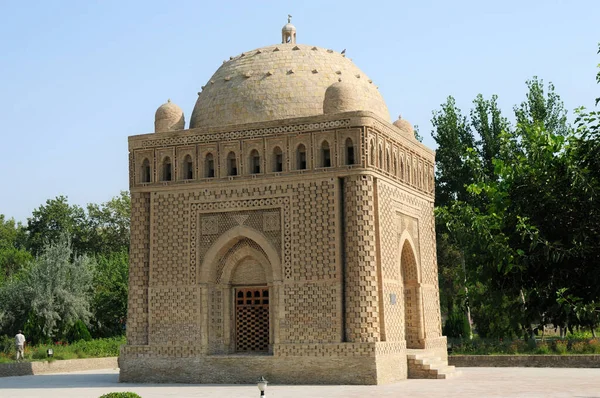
(279, 82)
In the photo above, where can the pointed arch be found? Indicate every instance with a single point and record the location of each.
(208, 271)
(414, 333)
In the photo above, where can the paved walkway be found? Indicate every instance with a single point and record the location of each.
(474, 382)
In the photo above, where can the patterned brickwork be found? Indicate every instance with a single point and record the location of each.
(421, 296)
(162, 351)
(393, 294)
(428, 252)
(433, 318)
(170, 239)
(137, 311)
(212, 222)
(362, 303)
(339, 349)
(226, 135)
(216, 320)
(311, 313)
(174, 315)
(313, 209)
(232, 254)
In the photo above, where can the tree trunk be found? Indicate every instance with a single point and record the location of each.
(468, 307)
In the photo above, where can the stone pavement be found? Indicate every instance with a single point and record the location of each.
(474, 382)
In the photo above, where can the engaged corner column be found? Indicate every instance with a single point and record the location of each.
(360, 274)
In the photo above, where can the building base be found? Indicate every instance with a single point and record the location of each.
(344, 363)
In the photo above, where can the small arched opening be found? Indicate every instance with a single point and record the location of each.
(167, 169)
(254, 162)
(349, 151)
(145, 172)
(188, 168)
(232, 169)
(325, 154)
(277, 160)
(301, 157)
(209, 166)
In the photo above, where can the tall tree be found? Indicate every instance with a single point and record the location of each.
(109, 225)
(56, 217)
(541, 108)
(452, 133)
(51, 295)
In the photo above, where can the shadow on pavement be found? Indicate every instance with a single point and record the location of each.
(85, 380)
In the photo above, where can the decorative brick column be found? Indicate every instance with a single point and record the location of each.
(361, 296)
(139, 258)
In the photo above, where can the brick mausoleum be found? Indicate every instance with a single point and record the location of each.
(288, 233)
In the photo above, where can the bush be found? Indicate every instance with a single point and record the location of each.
(120, 395)
(78, 332)
(457, 325)
(560, 346)
(7, 344)
(543, 348)
(595, 346)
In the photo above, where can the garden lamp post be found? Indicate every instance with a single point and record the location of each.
(262, 385)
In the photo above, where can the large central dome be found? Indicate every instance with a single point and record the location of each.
(279, 82)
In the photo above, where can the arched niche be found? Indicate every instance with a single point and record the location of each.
(413, 303)
(208, 268)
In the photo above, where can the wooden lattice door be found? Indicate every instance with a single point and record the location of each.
(252, 319)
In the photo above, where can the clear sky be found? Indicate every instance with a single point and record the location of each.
(78, 77)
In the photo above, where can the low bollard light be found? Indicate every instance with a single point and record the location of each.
(262, 385)
(50, 352)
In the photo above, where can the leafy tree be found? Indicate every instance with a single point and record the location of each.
(540, 108)
(452, 133)
(109, 224)
(49, 222)
(12, 256)
(109, 303)
(51, 295)
(488, 122)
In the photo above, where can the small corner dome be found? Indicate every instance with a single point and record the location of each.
(288, 27)
(168, 117)
(405, 127)
(341, 97)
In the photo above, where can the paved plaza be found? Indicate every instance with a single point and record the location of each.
(473, 382)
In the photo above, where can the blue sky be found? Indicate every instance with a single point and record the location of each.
(78, 77)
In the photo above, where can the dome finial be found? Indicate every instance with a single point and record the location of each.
(288, 32)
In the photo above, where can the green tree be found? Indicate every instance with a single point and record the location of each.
(452, 133)
(50, 221)
(109, 224)
(541, 108)
(109, 303)
(51, 295)
(13, 257)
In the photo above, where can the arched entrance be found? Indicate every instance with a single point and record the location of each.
(243, 269)
(412, 297)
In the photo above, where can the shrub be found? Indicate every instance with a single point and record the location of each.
(581, 347)
(120, 395)
(78, 332)
(7, 344)
(543, 348)
(595, 346)
(560, 346)
(457, 325)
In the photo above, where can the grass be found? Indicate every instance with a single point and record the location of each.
(550, 346)
(98, 348)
